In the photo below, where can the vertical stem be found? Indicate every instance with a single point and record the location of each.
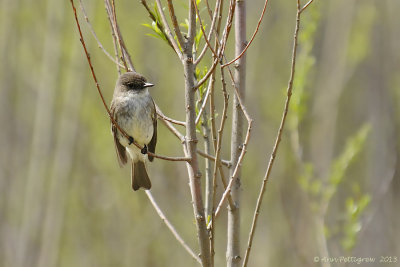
(321, 239)
(209, 177)
(233, 245)
(191, 141)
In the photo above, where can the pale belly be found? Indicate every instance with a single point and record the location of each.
(135, 117)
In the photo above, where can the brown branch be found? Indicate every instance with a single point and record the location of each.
(217, 14)
(221, 51)
(252, 37)
(217, 153)
(113, 35)
(202, 29)
(168, 32)
(124, 53)
(187, 159)
(278, 138)
(207, 75)
(306, 5)
(162, 116)
(244, 146)
(170, 226)
(99, 44)
(227, 28)
(175, 24)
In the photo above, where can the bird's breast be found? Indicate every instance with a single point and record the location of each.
(135, 117)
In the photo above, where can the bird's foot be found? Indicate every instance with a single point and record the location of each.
(131, 140)
(144, 150)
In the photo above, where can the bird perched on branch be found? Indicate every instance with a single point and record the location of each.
(133, 109)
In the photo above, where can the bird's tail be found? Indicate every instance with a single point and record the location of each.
(140, 178)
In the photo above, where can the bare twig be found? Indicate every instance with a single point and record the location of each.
(217, 156)
(202, 28)
(113, 35)
(168, 32)
(175, 24)
(236, 169)
(187, 159)
(204, 103)
(124, 53)
(100, 45)
(205, 155)
(252, 37)
(216, 18)
(306, 5)
(170, 226)
(244, 146)
(162, 116)
(221, 50)
(278, 138)
(208, 74)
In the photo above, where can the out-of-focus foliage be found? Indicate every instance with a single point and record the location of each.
(64, 201)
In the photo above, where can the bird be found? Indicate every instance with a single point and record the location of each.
(133, 109)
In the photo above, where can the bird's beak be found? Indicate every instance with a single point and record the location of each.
(148, 85)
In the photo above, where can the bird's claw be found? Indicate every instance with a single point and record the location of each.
(131, 140)
(144, 150)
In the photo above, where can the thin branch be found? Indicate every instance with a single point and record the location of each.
(187, 159)
(221, 51)
(171, 227)
(203, 105)
(168, 30)
(207, 75)
(278, 138)
(175, 24)
(155, 20)
(214, 19)
(227, 28)
(168, 124)
(252, 37)
(205, 155)
(162, 116)
(244, 146)
(236, 169)
(99, 44)
(217, 155)
(124, 53)
(306, 5)
(202, 28)
(113, 35)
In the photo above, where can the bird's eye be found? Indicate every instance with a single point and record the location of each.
(131, 85)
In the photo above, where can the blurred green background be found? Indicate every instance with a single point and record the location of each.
(64, 201)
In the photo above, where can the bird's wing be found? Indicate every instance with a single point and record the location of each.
(153, 141)
(120, 149)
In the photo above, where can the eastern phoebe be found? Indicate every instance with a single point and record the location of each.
(133, 109)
